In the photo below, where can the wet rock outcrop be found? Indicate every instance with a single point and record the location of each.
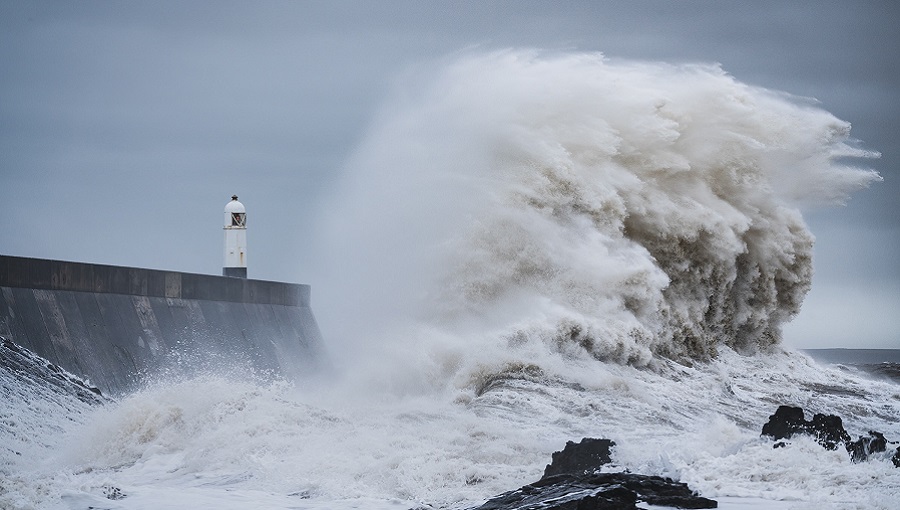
(580, 458)
(828, 430)
(789, 421)
(572, 482)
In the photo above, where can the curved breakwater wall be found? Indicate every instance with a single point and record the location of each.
(118, 326)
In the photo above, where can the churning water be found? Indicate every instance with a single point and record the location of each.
(527, 249)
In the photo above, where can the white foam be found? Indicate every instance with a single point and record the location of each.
(627, 208)
(519, 239)
(213, 442)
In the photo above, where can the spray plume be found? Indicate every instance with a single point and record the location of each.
(520, 202)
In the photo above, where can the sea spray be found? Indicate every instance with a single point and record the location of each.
(511, 221)
(230, 444)
(518, 205)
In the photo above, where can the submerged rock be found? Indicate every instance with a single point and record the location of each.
(571, 482)
(860, 449)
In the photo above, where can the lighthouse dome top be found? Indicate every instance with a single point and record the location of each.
(235, 214)
(234, 206)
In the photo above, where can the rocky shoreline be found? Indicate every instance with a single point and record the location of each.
(827, 430)
(574, 481)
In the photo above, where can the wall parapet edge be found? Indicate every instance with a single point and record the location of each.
(25, 272)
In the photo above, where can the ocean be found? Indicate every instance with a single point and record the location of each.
(879, 363)
(525, 249)
(219, 443)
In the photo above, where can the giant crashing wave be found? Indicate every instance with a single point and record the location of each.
(567, 203)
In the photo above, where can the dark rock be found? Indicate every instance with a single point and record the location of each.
(600, 491)
(860, 449)
(571, 482)
(829, 431)
(788, 421)
(580, 458)
(784, 423)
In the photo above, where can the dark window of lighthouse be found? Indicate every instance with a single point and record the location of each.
(238, 219)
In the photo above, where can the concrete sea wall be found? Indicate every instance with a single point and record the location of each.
(120, 326)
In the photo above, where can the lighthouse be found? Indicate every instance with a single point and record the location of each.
(235, 239)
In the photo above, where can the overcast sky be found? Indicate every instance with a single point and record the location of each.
(126, 126)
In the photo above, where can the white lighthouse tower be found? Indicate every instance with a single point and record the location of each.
(235, 239)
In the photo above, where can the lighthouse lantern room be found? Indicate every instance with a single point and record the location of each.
(235, 239)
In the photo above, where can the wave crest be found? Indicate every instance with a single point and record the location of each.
(615, 208)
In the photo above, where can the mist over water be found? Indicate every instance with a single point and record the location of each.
(527, 248)
(520, 205)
